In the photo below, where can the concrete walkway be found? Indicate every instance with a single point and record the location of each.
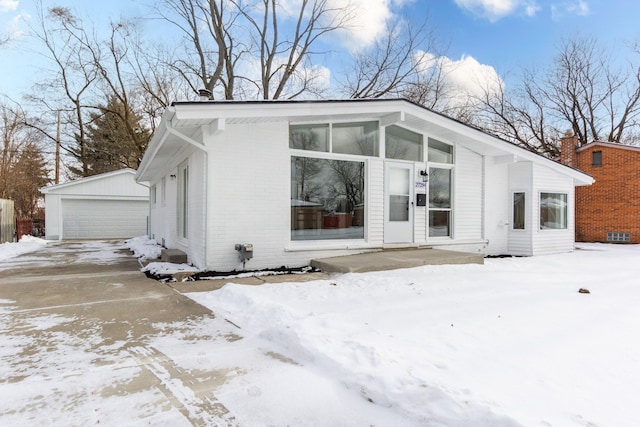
(393, 259)
(81, 343)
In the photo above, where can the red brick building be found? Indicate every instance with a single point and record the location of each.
(609, 209)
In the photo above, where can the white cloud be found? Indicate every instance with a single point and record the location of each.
(8, 5)
(494, 10)
(580, 8)
(464, 79)
(531, 9)
(369, 19)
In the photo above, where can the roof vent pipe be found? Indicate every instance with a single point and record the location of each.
(205, 95)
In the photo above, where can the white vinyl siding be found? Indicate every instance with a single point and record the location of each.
(468, 196)
(96, 197)
(520, 180)
(375, 202)
(496, 206)
(552, 241)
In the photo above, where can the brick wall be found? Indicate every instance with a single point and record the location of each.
(612, 203)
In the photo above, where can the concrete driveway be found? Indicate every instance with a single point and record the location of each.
(86, 339)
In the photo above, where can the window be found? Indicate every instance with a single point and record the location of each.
(153, 195)
(596, 158)
(439, 202)
(403, 144)
(355, 138)
(183, 201)
(327, 199)
(553, 211)
(618, 237)
(440, 157)
(163, 191)
(309, 137)
(518, 211)
(439, 152)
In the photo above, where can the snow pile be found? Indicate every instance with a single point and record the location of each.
(144, 248)
(25, 245)
(510, 343)
(168, 268)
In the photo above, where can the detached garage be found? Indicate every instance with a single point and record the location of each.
(106, 206)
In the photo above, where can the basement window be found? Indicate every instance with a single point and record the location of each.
(618, 237)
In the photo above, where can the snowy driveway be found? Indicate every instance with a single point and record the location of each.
(81, 332)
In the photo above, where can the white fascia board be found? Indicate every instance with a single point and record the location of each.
(254, 109)
(159, 137)
(518, 153)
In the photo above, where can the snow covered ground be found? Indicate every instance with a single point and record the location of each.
(510, 343)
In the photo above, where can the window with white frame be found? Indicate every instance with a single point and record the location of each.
(440, 158)
(402, 144)
(153, 195)
(163, 191)
(518, 211)
(328, 190)
(183, 200)
(553, 211)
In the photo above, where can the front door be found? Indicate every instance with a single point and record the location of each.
(398, 210)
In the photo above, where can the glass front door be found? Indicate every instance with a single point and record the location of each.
(398, 221)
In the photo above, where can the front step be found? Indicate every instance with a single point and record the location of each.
(174, 256)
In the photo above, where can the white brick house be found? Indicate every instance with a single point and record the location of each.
(307, 179)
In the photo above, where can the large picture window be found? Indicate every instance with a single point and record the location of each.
(327, 199)
(553, 211)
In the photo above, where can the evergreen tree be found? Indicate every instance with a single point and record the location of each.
(114, 139)
(28, 175)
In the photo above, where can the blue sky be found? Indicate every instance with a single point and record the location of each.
(502, 35)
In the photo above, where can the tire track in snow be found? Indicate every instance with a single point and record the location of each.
(174, 384)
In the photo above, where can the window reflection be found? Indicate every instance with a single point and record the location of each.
(402, 144)
(355, 138)
(327, 199)
(553, 211)
(439, 202)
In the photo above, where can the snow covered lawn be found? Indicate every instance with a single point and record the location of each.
(509, 343)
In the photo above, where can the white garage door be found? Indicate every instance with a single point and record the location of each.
(103, 219)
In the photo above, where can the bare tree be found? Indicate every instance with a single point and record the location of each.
(89, 76)
(395, 65)
(211, 49)
(583, 92)
(22, 166)
(70, 47)
(252, 50)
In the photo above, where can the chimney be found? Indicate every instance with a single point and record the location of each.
(205, 95)
(568, 145)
